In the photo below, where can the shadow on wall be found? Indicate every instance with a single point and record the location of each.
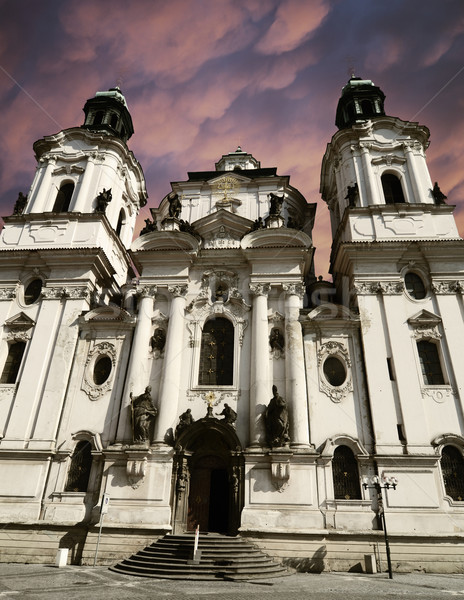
(315, 564)
(74, 540)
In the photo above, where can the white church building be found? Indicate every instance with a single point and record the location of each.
(200, 374)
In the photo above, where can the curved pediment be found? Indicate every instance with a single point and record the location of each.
(278, 236)
(166, 240)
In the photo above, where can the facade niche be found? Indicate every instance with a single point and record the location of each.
(79, 470)
(345, 474)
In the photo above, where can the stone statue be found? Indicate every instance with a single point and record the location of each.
(143, 413)
(229, 414)
(175, 205)
(20, 204)
(276, 204)
(258, 224)
(276, 339)
(277, 423)
(185, 420)
(103, 199)
(186, 227)
(158, 339)
(438, 195)
(150, 226)
(352, 195)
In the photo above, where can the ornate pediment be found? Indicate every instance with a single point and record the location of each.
(18, 327)
(222, 229)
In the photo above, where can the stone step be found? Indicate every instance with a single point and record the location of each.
(221, 557)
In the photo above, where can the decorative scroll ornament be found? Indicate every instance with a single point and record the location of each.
(294, 289)
(379, 287)
(136, 470)
(280, 471)
(212, 398)
(438, 393)
(93, 390)
(335, 393)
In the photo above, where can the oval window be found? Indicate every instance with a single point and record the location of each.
(334, 370)
(414, 286)
(102, 370)
(32, 291)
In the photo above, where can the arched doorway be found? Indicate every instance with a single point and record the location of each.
(207, 479)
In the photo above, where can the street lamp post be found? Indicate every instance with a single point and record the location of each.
(374, 484)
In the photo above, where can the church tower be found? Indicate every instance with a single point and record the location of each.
(397, 259)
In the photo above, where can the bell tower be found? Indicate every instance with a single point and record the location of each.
(87, 190)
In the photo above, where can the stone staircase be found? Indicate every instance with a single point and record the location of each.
(222, 557)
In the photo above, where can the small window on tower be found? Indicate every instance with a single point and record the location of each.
(98, 120)
(392, 189)
(63, 198)
(114, 121)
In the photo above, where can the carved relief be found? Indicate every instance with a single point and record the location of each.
(438, 393)
(379, 287)
(53, 293)
(280, 471)
(92, 389)
(448, 287)
(7, 293)
(136, 470)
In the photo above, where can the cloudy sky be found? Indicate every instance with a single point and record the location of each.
(203, 76)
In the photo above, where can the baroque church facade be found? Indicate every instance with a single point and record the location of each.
(202, 375)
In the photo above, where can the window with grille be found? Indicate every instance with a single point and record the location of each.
(13, 362)
(415, 286)
(429, 359)
(345, 474)
(217, 353)
(452, 468)
(79, 470)
(392, 190)
(32, 291)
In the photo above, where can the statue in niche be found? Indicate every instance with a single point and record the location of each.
(229, 414)
(258, 224)
(103, 199)
(20, 204)
(438, 196)
(143, 414)
(150, 226)
(158, 340)
(352, 195)
(276, 339)
(276, 204)
(220, 295)
(277, 423)
(175, 205)
(185, 420)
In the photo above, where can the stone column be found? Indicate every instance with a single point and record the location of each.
(43, 189)
(371, 189)
(294, 367)
(260, 384)
(81, 203)
(168, 404)
(408, 146)
(137, 372)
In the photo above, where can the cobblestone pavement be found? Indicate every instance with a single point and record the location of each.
(40, 582)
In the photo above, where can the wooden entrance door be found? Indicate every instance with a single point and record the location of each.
(208, 504)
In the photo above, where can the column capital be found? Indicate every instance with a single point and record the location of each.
(294, 289)
(146, 291)
(178, 291)
(260, 289)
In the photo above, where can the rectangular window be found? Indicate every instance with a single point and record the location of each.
(429, 359)
(13, 362)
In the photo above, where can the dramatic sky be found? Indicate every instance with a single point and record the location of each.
(202, 76)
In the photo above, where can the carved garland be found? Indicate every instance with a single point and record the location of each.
(379, 287)
(89, 386)
(335, 393)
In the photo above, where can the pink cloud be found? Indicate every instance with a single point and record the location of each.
(295, 22)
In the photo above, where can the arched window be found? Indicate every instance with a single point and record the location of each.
(98, 119)
(429, 359)
(345, 474)
(63, 198)
(217, 353)
(114, 121)
(367, 108)
(79, 471)
(121, 221)
(452, 468)
(392, 190)
(13, 362)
